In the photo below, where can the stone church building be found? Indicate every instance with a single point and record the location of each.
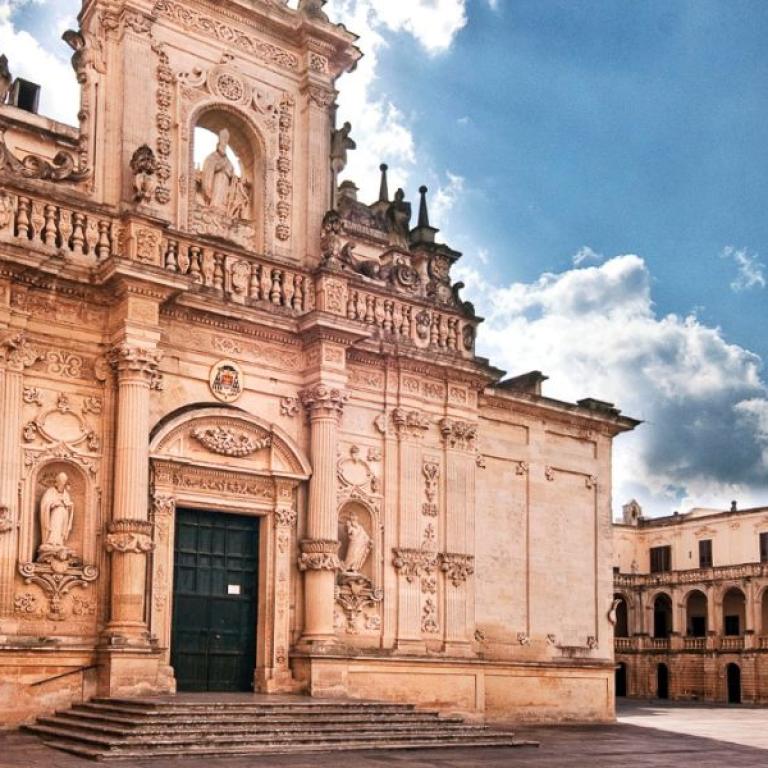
(246, 442)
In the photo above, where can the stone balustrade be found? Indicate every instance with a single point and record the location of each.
(692, 576)
(58, 228)
(731, 643)
(695, 643)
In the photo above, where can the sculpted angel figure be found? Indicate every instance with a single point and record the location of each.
(358, 546)
(56, 516)
(398, 220)
(218, 173)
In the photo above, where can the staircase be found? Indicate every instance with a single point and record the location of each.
(229, 725)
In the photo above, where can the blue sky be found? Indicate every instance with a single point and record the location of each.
(603, 166)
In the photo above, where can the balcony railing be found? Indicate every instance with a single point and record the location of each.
(731, 643)
(695, 643)
(624, 644)
(695, 575)
(762, 643)
(658, 643)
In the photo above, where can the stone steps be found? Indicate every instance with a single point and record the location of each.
(145, 728)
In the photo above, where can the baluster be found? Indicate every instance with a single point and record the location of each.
(182, 258)
(397, 318)
(194, 264)
(49, 229)
(38, 221)
(351, 302)
(298, 295)
(369, 314)
(218, 272)
(256, 282)
(452, 323)
(443, 329)
(274, 296)
(91, 236)
(170, 255)
(209, 268)
(360, 307)
(78, 233)
(104, 247)
(434, 330)
(65, 229)
(407, 329)
(22, 218)
(378, 312)
(266, 282)
(288, 289)
(388, 321)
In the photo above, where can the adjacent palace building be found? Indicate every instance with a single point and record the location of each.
(246, 442)
(691, 605)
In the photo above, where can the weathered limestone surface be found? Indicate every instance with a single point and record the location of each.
(181, 331)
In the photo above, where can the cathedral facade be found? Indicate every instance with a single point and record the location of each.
(246, 441)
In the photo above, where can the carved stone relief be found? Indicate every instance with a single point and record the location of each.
(457, 568)
(458, 434)
(227, 442)
(431, 470)
(355, 472)
(129, 537)
(410, 423)
(319, 555)
(289, 406)
(6, 520)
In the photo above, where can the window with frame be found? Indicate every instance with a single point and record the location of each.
(661, 559)
(764, 547)
(705, 553)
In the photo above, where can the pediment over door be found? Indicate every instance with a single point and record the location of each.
(233, 439)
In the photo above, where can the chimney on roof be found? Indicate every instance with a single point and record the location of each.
(25, 95)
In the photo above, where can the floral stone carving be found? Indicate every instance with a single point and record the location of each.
(354, 594)
(457, 568)
(431, 470)
(129, 537)
(319, 555)
(417, 564)
(225, 442)
(56, 577)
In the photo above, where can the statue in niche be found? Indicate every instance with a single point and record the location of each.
(359, 546)
(398, 221)
(341, 143)
(56, 517)
(144, 167)
(222, 189)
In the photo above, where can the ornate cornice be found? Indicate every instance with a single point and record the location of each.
(457, 568)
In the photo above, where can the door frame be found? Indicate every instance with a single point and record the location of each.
(270, 484)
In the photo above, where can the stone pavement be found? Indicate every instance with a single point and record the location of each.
(648, 735)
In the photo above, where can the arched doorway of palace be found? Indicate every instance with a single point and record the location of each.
(226, 490)
(733, 683)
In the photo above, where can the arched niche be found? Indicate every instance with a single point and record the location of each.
(227, 200)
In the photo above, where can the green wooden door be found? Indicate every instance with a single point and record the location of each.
(213, 646)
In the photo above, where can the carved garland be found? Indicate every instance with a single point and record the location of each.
(319, 555)
(284, 186)
(226, 443)
(164, 98)
(129, 537)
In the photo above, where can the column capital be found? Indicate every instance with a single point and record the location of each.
(319, 555)
(322, 400)
(129, 537)
(132, 359)
(17, 352)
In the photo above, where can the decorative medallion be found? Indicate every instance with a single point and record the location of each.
(226, 381)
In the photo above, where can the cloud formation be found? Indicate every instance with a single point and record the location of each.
(595, 332)
(750, 270)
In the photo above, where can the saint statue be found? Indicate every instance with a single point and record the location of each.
(56, 515)
(341, 143)
(358, 546)
(218, 175)
(398, 221)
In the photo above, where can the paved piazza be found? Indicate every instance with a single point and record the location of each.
(648, 735)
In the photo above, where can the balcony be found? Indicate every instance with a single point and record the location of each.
(692, 576)
(625, 644)
(732, 643)
(695, 643)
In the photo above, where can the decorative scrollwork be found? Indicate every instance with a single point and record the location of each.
(225, 442)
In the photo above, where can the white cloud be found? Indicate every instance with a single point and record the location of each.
(751, 271)
(444, 200)
(27, 58)
(594, 331)
(382, 131)
(585, 253)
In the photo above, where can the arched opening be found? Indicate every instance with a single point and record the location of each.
(662, 616)
(662, 681)
(226, 194)
(621, 679)
(696, 614)
(621, 629)
(733, 681)
(734, 612)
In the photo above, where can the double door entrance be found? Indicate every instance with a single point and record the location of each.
(215, 595)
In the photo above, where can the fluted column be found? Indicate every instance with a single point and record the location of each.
(129, 536)
(319, 559)
(15, 354)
